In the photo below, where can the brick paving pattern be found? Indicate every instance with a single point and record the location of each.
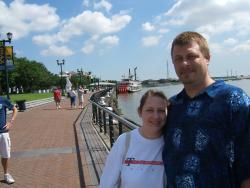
(44, 148)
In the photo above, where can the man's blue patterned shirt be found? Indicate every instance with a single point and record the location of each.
(207, 138)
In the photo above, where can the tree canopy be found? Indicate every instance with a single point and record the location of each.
(29, 75)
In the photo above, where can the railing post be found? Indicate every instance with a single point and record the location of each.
(96, 117)
(104, 121)
(111, 130)
(93, 113)
(100, 119)
(120, 127)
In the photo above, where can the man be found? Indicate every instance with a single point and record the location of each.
(207, 137)
(4, 136)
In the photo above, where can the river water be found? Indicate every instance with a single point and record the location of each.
(129, 102)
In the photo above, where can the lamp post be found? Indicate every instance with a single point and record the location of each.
(80, 72)
(9, 37)
(61, 64)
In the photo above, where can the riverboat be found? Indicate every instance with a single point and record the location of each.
(129, 84)
(134, 85)
(122, 86)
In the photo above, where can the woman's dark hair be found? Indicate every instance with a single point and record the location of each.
(151, 93)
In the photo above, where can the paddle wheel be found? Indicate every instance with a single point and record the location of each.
(122, 88)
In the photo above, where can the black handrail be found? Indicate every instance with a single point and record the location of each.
(104, 118)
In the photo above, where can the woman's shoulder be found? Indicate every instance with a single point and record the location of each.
(127, 135)
(122, 138)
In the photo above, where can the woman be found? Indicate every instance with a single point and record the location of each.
(138, 162)
(80, 96)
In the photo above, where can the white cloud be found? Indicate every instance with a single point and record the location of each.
(162, 31)
(93, 23)
(54, 50)
(212, 17)
(103, 4)
(230, 41)
(148, 26)
(26, 18)
(230, 45)
(216, 48)
(118, 22)
(88, 48)
(217, 28)
(173, 8)
(90, 44)
(243, 47)
(242, 20)
(110, 40)
(224, 2)
(150, 41)
(43, 39)
(86, 3)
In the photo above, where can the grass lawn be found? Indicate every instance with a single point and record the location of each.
(29, 96)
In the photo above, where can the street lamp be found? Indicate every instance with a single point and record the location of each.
(61, 64)
(80, 72)
(9, 37)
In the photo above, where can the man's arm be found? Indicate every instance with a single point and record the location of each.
(245, 183)
(14, 114)
(10, 123)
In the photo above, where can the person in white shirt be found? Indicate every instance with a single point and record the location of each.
(80, 96)
(136, 160)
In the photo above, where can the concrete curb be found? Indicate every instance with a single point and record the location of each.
(35, 103)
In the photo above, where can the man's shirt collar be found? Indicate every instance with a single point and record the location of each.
(211, 90)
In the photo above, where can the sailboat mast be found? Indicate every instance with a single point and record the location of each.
(167, 71)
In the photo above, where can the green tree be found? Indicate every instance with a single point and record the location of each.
(32, 75)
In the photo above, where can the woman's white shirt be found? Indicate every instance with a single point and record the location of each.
(143, 165)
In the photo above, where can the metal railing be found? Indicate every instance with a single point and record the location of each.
(107, 121)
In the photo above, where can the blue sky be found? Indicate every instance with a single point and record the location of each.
(107, 37)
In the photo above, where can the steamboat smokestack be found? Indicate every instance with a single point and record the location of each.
(135, 72)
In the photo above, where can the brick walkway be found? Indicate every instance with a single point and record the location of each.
(45, 152)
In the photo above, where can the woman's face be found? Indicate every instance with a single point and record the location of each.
(153, 114)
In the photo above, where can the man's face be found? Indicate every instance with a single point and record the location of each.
(190, 64)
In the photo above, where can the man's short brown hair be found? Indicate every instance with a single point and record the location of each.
(189, 36)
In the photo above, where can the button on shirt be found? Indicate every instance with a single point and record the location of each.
(207, 138)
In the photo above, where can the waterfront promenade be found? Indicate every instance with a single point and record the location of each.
(48, 148)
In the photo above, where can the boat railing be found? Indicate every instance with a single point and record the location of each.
(108, 122)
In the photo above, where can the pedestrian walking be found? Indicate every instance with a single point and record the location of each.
(80, 96)
(57, 97)
(72, 96)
